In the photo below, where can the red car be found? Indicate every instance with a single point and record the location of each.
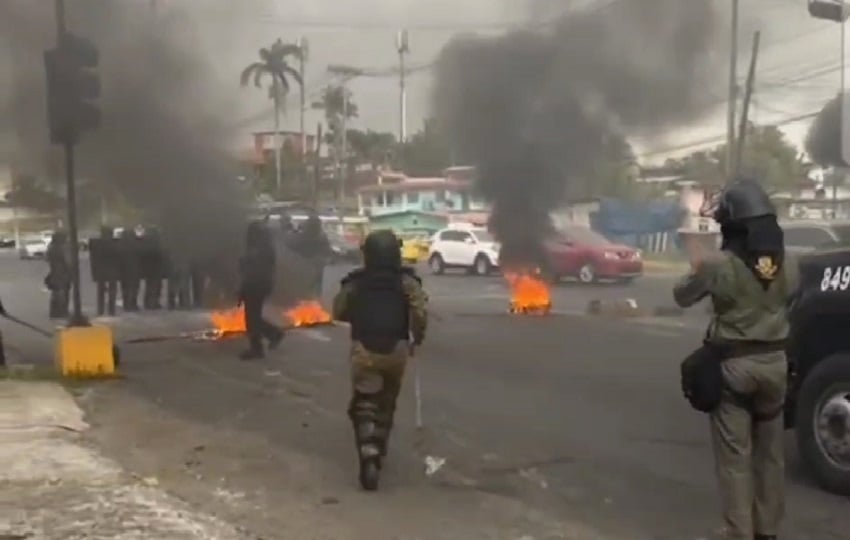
(588, 256)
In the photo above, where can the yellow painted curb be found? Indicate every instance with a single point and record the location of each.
(85, 352)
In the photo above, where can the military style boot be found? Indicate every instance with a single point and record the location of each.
(369, 450)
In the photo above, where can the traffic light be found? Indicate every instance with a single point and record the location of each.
(73, 85)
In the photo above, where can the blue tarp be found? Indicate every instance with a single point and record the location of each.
(617, 218)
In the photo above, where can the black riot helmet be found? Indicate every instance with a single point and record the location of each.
(743, 199)
(382, 249)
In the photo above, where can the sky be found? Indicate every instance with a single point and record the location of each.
(798, 68)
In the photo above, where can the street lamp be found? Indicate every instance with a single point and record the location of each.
(836, 11)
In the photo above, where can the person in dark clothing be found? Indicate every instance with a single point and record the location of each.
(258, 268)
(198, 281)
(129, 251)
(58, 279)
(178, 292)
(387, 309)
(313, 244)
(153, 269)
(104, 261)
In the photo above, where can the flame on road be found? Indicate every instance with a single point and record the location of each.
(308, 313)
(231, 321)
(530, 295)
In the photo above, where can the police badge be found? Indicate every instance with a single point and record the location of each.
(766, 268)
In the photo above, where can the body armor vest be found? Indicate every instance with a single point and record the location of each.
(379, 310)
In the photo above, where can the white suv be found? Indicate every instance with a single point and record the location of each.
(473, 249)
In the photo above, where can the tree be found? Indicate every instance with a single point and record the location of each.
(427, 153)
(614, 173)
(338, 104)
(823, 140)
(374, 147)
(274, 63)
(767, 157)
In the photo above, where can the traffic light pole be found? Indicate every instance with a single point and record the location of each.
(77, 318)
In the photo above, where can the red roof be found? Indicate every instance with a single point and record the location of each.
(417, 186)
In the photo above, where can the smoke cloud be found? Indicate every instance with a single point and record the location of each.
(823, 140)
(163, 143)
(536, 110)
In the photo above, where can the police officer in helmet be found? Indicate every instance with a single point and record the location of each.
(750, 284)
(387, 308)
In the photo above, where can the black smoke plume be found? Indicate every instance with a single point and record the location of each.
(163, 145)
(823, 140)
(535, 110)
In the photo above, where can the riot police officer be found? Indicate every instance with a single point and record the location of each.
(312, 243)
(387, 308)
(129, 250)
(103, 259)
(258, 269)
(153, 269)
(58, 279)
(750, 284)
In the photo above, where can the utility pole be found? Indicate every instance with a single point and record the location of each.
(843, 89)
(303, 48)
(317, 179)
(72, 88)
(344, 149)
(733, 95)
(751, 77)
(403, 48)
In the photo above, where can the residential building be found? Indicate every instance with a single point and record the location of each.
(395, 192)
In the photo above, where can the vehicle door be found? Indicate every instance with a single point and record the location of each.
(448, 246)
(571, 255)
(467, 248)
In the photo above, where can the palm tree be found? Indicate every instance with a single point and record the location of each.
(273, 62)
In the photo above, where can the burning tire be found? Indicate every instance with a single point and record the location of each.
(436, 264)
(587, 274)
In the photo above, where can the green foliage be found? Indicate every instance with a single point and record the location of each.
(273, 63)
(427, 153)
(767, 157)
(373, 147)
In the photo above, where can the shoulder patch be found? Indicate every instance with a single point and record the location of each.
(766, 267)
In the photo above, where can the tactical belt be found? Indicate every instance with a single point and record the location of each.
(738, 349)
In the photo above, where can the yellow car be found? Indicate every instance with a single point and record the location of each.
(415, 246)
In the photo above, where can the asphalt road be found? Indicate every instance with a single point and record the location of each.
(577, 418)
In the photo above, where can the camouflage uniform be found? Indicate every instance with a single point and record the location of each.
(750, 305)
(377, 372)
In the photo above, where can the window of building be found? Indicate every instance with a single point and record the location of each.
(412, 197)
(390, 198)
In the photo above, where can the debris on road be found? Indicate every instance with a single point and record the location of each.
(433, 464)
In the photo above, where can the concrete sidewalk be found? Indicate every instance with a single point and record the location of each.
(54, 486)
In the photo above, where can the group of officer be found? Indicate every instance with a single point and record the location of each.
(384, 304)
(738, 376)
(136, 262)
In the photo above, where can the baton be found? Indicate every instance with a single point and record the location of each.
(417, 388)
(25, 324)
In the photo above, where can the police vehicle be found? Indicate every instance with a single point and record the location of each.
(818, 404)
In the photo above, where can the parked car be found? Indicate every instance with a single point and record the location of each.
(472, 248)
(809, 236)
(33, 248)
(6, 243)
(817, 405)
(588, 256)
(416, 245)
